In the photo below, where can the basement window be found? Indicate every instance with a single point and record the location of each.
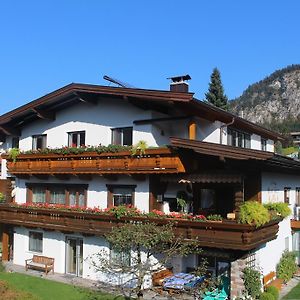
(76, 139)
(35, 241)
(122, 136)
(120, 258)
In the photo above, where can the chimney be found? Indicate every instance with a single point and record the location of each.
(179, 84)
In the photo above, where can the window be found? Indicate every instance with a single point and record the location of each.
(298, 196)
(238, 138)
(39, 141)
(263, 144)
(76, 139)
(120, 195)
(71, 194)
(35, 241)
(251, 260)
(121, 258)
(122, 136)
(15, 142)
(38, 194)
(287, 192)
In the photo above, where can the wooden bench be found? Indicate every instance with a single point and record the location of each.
(41, 263)
(271, 280)
(158, 277)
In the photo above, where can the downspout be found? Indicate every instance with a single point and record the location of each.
(223, 126)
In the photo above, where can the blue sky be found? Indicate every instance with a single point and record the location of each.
(45, 45)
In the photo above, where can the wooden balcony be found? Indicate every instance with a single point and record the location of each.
(160, 160)
(295, 224)
(224, 235)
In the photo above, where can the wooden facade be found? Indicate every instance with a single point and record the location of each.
(154, 161)
(224, 235)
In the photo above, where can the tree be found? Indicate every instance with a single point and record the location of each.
(140, 249)
(215, 94)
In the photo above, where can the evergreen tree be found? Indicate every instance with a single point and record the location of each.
(215, 94)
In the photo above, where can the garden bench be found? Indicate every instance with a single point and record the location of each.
(158, 277)
(40, 262)
(271, 280)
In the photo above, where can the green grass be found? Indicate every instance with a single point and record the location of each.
(293, 294)
(43, 289)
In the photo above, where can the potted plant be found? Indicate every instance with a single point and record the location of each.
(214, 218)
(2, 198)
(181, 198)
(253, 213)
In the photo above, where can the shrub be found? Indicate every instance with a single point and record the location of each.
(214, 217)
(266, 296)
(274, 291)
(287, 266)
(13, 154)
(252, 282)
(252, 212)
(278, 209)
(2, 197)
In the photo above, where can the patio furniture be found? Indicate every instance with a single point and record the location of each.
(41, 263)
(181, 281)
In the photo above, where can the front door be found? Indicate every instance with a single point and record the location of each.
(74, 256)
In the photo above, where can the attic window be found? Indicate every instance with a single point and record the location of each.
(76, 139)
(39, 142)
(238, 138)
(122, 136)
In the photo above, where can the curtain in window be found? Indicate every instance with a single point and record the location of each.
(57, 196)
(76, 198)
(122, 196)
(38, 195)
(35, 241)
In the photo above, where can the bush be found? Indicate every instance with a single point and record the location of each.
(266, 296)
(287, 266)
(274, 291)
(252, 212)
(252, 282)
(278, 209)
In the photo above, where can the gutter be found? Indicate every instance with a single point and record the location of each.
(223, 126)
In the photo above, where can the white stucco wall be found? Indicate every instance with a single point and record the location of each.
(273, 185)
(97, 190)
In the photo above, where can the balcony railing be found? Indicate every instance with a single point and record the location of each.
(224, 234)
(160, 160)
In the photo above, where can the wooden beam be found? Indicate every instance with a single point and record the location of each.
(10, 131)
(43, 114)
(149, 121)
(85, 98)
(192, 130)
(5, 242)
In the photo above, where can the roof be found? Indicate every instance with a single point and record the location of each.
(185, 103)
(269, 161)
(224, 151)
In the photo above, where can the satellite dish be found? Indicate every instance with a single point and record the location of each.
(118, 82)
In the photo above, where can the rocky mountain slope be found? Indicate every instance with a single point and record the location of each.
(273, 102)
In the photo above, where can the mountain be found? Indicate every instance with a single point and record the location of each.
(273, 102)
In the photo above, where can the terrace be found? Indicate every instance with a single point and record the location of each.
(226, 234)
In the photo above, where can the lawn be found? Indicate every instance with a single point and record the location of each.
(43, 289)
(294, 294)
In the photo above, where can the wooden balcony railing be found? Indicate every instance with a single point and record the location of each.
(225, 235)
(160, 160)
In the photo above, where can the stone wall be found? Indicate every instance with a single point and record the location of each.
(237, 284)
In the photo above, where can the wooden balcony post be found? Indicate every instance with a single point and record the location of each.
(238, 199)
(192, 130)
(5, 242)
